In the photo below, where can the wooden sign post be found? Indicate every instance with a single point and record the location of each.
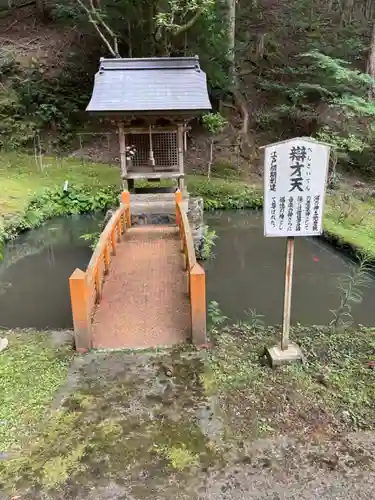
(295, 178)
(287, 292)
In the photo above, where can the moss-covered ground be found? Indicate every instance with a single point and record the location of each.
(32, 369)
(332, 391)
(187, 424)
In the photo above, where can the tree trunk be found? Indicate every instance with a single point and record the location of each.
(41, 9)
(211, 159)
(231, 20)
(130, 40)
(239, 98)
(371, 63)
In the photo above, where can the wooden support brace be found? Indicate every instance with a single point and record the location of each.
(98, 286)
(198, 304)
(80, 310)
(113, 240)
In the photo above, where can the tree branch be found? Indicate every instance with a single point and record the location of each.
(101, 20)
(189, 24)
(94, 22)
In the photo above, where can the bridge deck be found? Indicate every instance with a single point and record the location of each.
(145, 301)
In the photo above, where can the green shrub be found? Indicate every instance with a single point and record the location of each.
(226, 195)
(55, 202)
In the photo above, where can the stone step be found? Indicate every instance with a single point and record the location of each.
(157, 203)
(151, 232)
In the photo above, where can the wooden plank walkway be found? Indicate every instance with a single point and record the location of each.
(145, 301)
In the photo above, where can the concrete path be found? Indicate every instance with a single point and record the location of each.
(145, 301)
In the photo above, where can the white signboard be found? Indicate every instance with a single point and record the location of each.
(295, 176)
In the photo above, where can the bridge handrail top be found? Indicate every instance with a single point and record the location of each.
(189, 242)
(103, 240)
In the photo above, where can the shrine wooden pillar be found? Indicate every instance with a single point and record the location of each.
(121, 136)
(180, 153)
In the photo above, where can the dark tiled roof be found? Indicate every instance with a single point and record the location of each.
(150, 84)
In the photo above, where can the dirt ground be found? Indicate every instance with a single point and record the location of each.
(153, 425)
(29, 39)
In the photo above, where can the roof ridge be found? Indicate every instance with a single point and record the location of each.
(149, 63)
(164, 58)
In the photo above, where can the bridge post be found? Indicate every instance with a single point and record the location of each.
(178, 197)
(125, 199)
(198, 304)
(80, 310)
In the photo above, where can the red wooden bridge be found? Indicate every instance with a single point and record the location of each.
(142, 288)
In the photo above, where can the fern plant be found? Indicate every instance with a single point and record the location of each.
(351, 287)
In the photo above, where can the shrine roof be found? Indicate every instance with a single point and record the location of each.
(150, 85)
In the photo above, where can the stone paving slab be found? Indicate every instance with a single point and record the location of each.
(145, 301)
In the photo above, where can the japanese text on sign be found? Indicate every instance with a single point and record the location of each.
(295, 179)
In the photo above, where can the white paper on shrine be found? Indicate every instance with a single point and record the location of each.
(294, 187)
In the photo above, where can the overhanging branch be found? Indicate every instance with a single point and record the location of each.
(99, 21)
(189, 24)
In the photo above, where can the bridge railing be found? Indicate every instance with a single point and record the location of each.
(86, 287)
(196, 275)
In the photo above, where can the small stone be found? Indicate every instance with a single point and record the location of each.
(3, 344)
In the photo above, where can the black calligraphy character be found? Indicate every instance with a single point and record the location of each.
(296, 183)
(298, 153)
(297, 169)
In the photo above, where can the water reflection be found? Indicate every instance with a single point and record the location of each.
(34, 287)
(248, 273)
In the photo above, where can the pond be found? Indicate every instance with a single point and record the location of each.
(247, 272)
(34, 274)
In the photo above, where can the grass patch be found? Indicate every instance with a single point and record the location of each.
(351, 219)
(31, 370)
(20, 178)
(331, 392)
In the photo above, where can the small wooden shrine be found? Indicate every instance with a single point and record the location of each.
(152, 100)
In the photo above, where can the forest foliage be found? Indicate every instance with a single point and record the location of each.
(302, 67)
